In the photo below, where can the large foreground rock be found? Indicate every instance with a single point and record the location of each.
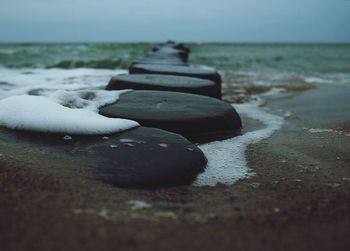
(198, 118)
(188, 71)
(141, 157)
(165, 83)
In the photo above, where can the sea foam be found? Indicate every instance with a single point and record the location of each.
(226, 159)
(37, 113)
(59, 101)
(66, 101)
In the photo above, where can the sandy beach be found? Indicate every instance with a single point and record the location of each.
(298, 198)
(174, 126)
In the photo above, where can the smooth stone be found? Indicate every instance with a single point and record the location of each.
(160, 62)
(141, 157)
(198, 118)
(176, 45)
(187, 71)
(160, 56)
(165, 83)
(181, 47)
(170, 52)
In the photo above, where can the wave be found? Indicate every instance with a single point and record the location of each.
(268, 58)
(40, 81)
(96, 64)
(72, 64)
(69, 56)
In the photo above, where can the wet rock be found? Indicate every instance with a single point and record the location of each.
(181, 47)
(176, 45)
(169, 52)
(165, 83)
(198, 118)
(188, 71)
(130, 159)
(160, 61)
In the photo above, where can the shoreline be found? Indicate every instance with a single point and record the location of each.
(298, 200)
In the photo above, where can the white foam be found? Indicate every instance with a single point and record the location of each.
(67, 137)
(36, 113)
(273, 92)
(285, 79)
(163, 145)
(226, 159)
(138, 204)
(127, 140)
(25, 81)
(89, 100)
(65, 101)
(317, 130)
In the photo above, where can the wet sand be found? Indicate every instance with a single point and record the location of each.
(299, 198)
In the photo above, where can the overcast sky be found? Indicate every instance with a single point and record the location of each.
(182, 20)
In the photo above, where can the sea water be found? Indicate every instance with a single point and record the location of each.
(72, 77)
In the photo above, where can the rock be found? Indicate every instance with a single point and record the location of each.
(165, 57)
(141, 157)
(198, 118)
(160, 61)
(165, 83)
(169, 52)
(181, 47)
(188, 71)
(175, 45)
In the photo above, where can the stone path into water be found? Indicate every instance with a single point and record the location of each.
(174, 96)
(176, 104)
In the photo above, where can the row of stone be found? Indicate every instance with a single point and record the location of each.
(183, 102)
(179, 101)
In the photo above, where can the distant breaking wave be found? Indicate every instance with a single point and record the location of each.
(73, 64)
(306, 59)
(96, 64)
(71, 55)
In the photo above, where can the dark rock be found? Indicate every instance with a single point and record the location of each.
(165, 83)
(188, 71)
(178, 46)
(141, 157)
(164, 57)
(169, 52)
(160, 61)
(198, 118)
(173, 50)
(170, 42)
(181, 47)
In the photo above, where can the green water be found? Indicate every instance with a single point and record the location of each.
(298, 58)
(68, 56)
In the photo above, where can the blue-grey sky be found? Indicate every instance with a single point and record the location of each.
(182, 20)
